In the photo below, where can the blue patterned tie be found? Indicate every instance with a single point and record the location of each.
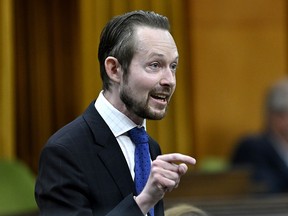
(142, 159)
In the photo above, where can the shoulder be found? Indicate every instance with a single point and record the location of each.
(248, 147)
(253, 141)
(81, 131)
(69, 131)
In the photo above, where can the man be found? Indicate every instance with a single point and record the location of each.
(87, 167)
(266, 154)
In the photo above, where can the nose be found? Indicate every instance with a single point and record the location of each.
(168, 78)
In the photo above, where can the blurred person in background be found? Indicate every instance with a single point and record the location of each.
(266, 154)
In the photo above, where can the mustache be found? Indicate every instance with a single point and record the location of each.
(162, 90)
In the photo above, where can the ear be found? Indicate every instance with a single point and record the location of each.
(113, 68)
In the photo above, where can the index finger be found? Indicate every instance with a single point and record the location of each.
(177, 157)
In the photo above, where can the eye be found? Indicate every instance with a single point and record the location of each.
(155, 65)
(174, 67)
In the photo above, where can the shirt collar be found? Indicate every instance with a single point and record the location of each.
(116, 120)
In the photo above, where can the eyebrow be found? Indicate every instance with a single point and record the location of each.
(155, 54)
(160, 55)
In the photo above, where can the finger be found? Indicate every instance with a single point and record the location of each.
(165, 165)
(182, 169)
(177, 157)
(171, 173)
(166, 184)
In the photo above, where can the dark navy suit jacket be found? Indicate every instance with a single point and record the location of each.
(82, 171)
(259, 153)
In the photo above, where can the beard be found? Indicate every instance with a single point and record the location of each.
(139, 107)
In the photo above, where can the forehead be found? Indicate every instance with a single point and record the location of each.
(155, 40)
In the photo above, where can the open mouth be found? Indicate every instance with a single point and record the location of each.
(160, 97)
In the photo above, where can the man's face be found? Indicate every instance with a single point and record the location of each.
(150, 81)
(279, 124)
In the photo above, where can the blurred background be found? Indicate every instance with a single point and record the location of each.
(230, 52)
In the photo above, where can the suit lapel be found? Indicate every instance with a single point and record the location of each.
(115, 162)
(111, 153)
(154, 148)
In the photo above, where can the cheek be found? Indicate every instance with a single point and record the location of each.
(135, 88)
(283, 125)
(174, 87)
(142, 83)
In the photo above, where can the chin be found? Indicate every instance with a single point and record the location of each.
(156, 115)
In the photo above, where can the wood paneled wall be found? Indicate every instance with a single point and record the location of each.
(239, 48)
(7, 103)
(46, 67)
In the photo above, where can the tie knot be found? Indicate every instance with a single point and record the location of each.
(138, 135)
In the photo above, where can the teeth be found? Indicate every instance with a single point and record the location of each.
(161, 97)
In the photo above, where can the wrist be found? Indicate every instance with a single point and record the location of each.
(144, 202)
